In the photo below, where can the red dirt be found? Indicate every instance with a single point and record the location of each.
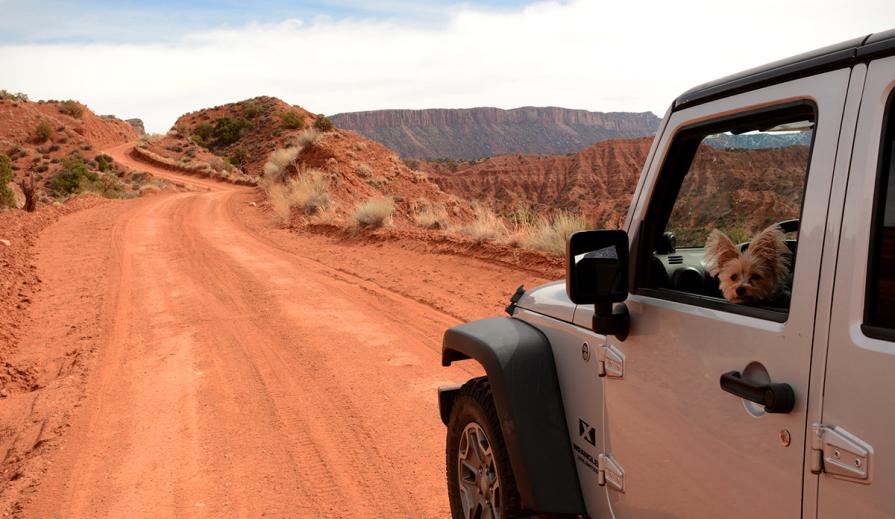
(599, 182)
(356, 168)
(84, 135)
(197, 359)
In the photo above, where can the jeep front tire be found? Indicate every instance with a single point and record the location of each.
(480, 479)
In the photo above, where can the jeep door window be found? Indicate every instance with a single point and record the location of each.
(879, 316)
(722, 228)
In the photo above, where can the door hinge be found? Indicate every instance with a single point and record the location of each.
(609, 472)
(611, 362)
(840, 454)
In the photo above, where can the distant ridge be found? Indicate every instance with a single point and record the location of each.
(473, 133)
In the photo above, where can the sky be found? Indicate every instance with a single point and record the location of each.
(158, 60)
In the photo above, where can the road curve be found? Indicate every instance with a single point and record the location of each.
(240, 378)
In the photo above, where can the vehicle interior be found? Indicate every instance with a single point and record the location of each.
(737, 175)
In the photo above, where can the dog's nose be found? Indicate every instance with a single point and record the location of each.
(741, 291)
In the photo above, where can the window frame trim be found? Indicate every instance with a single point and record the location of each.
(874, 244)
(640, 261)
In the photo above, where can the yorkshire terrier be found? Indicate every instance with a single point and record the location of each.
(756, 275)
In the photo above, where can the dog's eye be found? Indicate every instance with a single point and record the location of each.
(734, 277)
(756, 277)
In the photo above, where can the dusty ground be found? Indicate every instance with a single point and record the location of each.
(195, 359)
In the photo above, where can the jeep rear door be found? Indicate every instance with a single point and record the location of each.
(675, 444)
(855, 447)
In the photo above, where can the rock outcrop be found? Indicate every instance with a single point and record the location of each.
(474, 133)
(599, 182)
(137, 125)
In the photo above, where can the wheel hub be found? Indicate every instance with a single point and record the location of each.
(477, 474)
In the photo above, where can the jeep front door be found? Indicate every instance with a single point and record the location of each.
(674, 443)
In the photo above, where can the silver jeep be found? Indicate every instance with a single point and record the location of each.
(633, 389)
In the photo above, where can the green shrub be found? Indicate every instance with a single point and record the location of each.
(17, 96)
(324, 124)
(104, 162)
(108, 186)
(228, 130)
(72, 108)
(70, 178)
(292, 120)
(204, 130)
(6, 197)
(239, 157)
(252, 109)
(196, 138)
(44, 132)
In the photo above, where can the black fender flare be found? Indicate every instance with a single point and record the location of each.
(518, 361)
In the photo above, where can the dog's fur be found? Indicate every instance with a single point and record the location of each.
(756, 275)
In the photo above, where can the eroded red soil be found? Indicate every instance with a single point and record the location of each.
(195, 358)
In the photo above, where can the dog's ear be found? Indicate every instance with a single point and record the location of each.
(770, 246)
(718, 251)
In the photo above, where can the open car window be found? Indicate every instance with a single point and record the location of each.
(742, 177)
(879, 310)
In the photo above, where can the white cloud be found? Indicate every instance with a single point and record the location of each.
(609, 56)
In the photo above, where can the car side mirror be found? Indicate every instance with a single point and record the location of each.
(597, 268)
(597, 273)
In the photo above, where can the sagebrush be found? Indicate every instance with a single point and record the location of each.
(373, 213)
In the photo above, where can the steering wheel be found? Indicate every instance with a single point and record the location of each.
(787, 226)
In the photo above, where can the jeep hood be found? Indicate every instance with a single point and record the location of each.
(549, 299)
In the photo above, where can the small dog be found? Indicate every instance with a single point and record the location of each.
(756, 275)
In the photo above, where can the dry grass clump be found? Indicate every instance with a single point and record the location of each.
(278, 195)
(364, 170)
(431, 217)
(309, 191)
(374, 213)
(487, 226)
(550, 235)
(307, 138)
(277, 162)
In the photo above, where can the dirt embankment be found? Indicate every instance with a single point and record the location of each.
(39, 136)
(197, 168)
(194, 357)
(48, 313)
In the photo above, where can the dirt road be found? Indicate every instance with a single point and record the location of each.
(243, 370)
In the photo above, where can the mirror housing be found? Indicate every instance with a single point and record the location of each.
(597, 267)
(597, 273)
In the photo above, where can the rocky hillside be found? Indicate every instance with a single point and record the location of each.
(599, 181)
(486, 132)
(58, 144)
(353, 168)
(245, 132)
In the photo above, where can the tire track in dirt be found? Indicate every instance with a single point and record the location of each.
(242, 375)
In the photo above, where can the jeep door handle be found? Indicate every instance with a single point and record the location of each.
(776, 398)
